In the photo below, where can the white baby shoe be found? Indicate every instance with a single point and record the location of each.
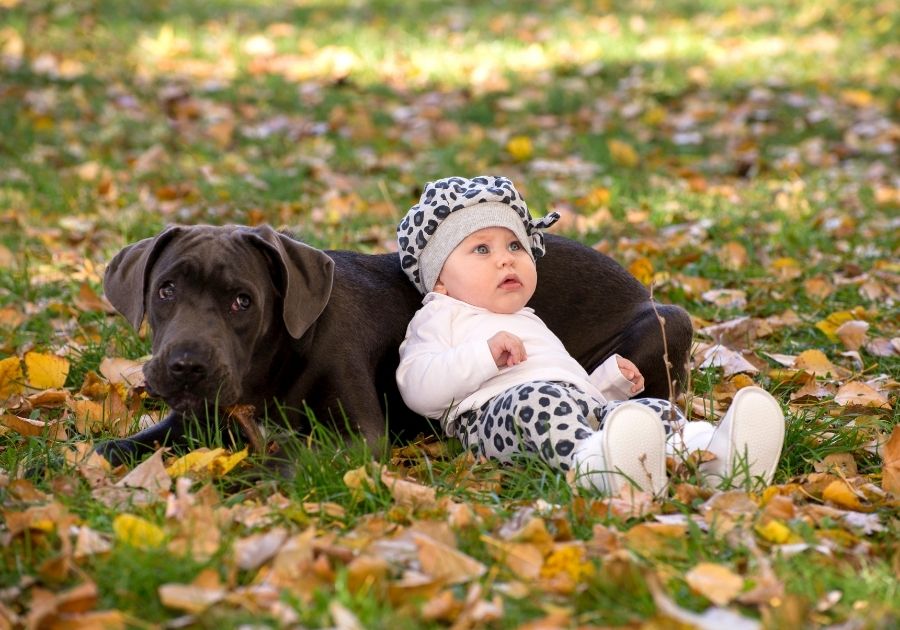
(747, 442)
(631, 449)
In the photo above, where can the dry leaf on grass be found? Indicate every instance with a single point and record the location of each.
(860, 394)
(715, 582)
(445, 563)
(890, 455)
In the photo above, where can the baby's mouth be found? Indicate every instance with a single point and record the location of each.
(510, 282)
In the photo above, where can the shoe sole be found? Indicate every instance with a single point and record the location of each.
(634, 449)
(757, 426)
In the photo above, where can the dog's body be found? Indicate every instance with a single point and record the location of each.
(251, 316)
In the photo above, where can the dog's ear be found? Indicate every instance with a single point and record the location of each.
(125, 280)
(307, 277)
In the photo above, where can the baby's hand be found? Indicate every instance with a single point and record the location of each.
(629, 370)
(506, 349)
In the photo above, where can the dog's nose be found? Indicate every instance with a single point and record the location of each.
(187, 368)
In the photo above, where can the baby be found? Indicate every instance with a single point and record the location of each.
(479, 360)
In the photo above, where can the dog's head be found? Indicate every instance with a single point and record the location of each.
(220, 302)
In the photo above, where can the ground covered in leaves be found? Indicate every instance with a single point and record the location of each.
(741, 158)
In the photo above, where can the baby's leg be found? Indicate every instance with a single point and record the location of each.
(542, 418)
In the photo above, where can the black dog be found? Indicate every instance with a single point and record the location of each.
(252, 316)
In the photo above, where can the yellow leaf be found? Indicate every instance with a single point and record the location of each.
(11, 377)
(46, 371)
(841, 494)
(215, 462)
(816, 362)
(786, 268)
(857, 98)
(137, 532)
(642, 269)
(223, 464)
(597, 198)
(774, 531)
(193, 461)
(520, 148)
(715, 582)
(568, 559)
(830, 324)
(623, 153)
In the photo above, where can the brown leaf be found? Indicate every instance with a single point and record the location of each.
(654, 538)
(407, 493)
(445, 563)
(128, 371)
(860, 394)
(715, 582)
(890, 455)
(852, 333)
(733, 255)
(524, 560)
(839, 463)
(253, 551)
(52, 429)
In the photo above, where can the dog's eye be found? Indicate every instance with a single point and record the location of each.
(241, 303)
(167, 291)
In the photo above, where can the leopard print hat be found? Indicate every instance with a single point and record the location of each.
(452, 208)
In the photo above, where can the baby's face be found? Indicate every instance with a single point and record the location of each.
(490, 269)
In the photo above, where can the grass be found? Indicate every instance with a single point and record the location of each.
(770, 127)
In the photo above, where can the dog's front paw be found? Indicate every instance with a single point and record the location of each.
(117, 452)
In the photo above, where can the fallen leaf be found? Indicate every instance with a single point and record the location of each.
(190, 598)
(733, 255)
(524, 560)
(46, 371)
(125, 371)
(642, 269)
(715, 582)
(840, 493)
(407, 493)
(149, 475)
(520, 148)
(843, 463)
(12, 379)
(52, 429)
(834, 321)
(623, 153)
(860, 394)
(726, 298)
(890, 455)
(774, 531)
(817, 363)
(852, 333)
(253, 551)
(730, 361)
(445, 563)
(654, 538)
(137, 532)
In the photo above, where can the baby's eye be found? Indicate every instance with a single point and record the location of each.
(481, 249)
(515, 246)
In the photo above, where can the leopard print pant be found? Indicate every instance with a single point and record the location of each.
(549, 418)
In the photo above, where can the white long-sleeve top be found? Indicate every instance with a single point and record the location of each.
(446, 367)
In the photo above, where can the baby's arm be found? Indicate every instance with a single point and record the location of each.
(433, 375)
(617, 378)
